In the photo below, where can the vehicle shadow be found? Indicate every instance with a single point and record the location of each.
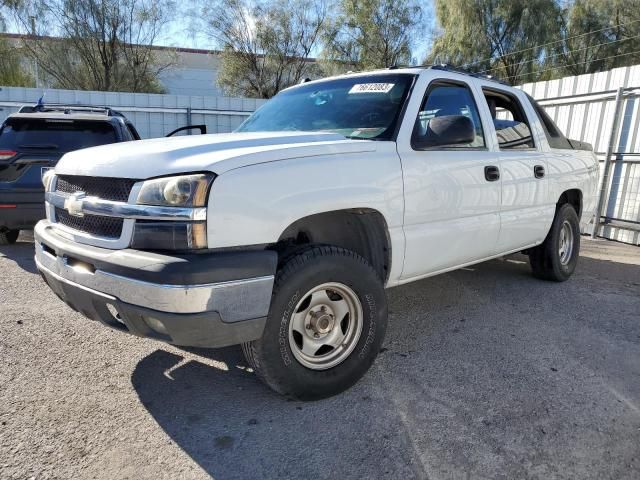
(21, 252)
(466, 375)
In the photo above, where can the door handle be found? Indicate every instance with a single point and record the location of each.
(491, 173)
(538, 171)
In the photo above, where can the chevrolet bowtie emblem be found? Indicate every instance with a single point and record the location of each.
(73, 204)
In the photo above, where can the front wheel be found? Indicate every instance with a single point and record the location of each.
(556, 258)
(325, 327)
(8, 237)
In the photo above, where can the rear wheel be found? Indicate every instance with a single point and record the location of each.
(325, 327)
(8, 237)
(556, 258)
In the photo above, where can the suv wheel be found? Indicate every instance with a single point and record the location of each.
(8, 237)
(325, 327)
(556, 258)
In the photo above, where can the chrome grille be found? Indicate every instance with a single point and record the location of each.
(105, 227)
(114, 189)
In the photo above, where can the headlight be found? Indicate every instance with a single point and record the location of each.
(47, 180)
(179, 191)
(185, 191)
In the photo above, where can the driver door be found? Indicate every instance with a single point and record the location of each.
(452, 209)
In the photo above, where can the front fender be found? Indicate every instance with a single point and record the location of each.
(253, 205)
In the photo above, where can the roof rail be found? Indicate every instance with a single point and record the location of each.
(451, 68)
(70, 108)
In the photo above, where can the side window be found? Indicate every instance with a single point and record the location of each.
(511, 124)
(554, 136)
(448, 102)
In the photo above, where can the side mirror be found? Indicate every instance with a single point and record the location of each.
(202, 128)
(448, 130)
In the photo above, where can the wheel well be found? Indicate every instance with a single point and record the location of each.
(572, 197)
(363, 231)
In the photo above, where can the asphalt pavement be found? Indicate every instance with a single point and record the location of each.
(486, 372)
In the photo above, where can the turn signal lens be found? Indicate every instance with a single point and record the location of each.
(152, 235)
(7, 154)
(198, 235)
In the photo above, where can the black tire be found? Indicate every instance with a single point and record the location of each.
(545, 259)
(8, 237)
(271, 356)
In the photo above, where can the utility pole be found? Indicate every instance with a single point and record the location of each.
(35, 60)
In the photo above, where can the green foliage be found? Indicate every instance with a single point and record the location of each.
(266, 46)
(524, 41)
(12, 69)
(368, 34)
(503, 37)
(596, 36)
(96, 44)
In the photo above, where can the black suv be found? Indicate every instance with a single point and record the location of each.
(33, 140)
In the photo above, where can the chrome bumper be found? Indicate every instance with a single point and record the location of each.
(234, 300)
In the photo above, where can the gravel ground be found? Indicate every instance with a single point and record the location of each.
(486, 373)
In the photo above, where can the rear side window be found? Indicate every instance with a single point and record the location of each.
(511, 124)
(554, 136)
(54, 135)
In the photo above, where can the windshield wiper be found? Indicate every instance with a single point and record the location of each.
(41, 146)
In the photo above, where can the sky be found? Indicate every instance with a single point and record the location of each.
(179, 33)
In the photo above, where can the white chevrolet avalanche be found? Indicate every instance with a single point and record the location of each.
(283, 235)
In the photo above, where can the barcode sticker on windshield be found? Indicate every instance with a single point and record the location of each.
(372, 88)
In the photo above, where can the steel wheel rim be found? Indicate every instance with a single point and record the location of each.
(565, 247)
(325, 326)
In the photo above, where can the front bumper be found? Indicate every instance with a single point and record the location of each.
(204, 300)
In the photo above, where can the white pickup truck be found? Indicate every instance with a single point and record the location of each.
(283, 235)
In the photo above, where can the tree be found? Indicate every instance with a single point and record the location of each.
(97, 44)
(12, 71)
(265, 46)
(373, 33)
(504, 37)
(583, 39)
(597, 36)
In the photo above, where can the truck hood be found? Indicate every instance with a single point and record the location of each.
(216, 153)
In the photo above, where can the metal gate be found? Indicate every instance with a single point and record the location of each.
(587, 108)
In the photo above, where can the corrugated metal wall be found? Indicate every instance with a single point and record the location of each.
(153, 115)
(583, 107)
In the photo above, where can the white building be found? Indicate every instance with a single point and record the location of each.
(193, 71)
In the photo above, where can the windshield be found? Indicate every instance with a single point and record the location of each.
(54, 135)
(365, 107)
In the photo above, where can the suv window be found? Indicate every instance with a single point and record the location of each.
(449, 99)
(511, 124)
(54, 135)
(554, 136)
